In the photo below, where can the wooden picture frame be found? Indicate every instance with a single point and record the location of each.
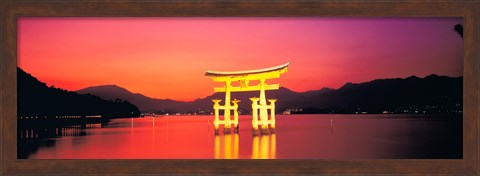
(11, 10)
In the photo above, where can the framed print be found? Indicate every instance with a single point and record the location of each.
(240, 88)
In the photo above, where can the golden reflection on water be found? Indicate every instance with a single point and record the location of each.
(226, 146)
(264, 147)
(186, 138)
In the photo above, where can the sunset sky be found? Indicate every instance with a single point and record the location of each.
(167, 57)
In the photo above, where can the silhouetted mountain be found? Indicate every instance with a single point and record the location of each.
(144, 103)
(36, 99)
(432, 94)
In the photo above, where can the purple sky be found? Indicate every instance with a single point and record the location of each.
(167, 57)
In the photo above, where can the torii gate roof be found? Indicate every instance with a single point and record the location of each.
(245, 72)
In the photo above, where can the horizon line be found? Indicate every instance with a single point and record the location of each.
(197, 98)
(433, 74)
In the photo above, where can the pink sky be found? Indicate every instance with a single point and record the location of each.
(167, 57)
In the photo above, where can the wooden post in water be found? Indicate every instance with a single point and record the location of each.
(271, 122)
(226, 113)
(216, 121)
(254, 115)
(235, 114)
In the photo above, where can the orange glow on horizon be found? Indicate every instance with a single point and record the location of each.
(167, 58)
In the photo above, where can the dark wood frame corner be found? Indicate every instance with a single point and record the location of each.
(11, 10)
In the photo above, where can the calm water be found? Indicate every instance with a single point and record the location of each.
(297, 137)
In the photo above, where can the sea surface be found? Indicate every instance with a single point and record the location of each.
(319, 136)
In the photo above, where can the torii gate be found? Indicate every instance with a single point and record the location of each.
(244, 77)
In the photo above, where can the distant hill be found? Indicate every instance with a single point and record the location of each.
(144, 103)
(432, 94)
(36, 99)
(147, 104)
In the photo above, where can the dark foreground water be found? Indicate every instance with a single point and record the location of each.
(297, 137)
